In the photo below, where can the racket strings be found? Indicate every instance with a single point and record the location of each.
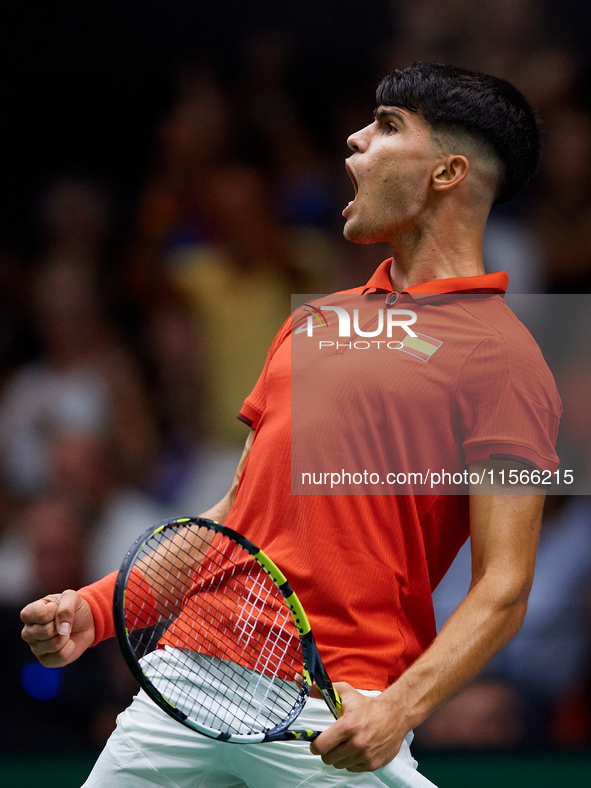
(232, 648)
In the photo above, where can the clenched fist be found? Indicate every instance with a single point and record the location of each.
(58, 628)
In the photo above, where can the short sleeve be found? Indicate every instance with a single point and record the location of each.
(254, 405)
(508, 403)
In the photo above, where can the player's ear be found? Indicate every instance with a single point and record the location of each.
(449, 172)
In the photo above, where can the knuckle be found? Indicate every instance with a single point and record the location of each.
(320, 749)
(350, 730)
(47, 649)
(25, 634)
(362, 745)
(49, 660)
(348, 726)
(66, 606)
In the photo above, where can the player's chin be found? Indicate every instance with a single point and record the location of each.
(357, 234)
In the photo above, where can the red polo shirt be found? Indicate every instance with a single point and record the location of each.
(471, 384)
(364, 565)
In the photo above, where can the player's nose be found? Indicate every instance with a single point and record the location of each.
(358, 141)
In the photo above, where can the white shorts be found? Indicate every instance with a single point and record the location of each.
(150, 748)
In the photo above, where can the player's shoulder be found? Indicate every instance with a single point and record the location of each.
(508, 345)
(497, 322)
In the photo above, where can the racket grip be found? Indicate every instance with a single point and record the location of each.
(399, 774)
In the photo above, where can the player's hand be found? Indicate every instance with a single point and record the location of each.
(365, 738)
(58, 628)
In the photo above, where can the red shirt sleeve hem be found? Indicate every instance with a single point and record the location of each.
(249, 416)
(492, 451)
(99, 596)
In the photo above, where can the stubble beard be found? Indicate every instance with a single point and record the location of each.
(359, 232)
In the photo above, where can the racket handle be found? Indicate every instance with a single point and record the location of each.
(399, 774)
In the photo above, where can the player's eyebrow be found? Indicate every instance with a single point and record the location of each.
(382, 113)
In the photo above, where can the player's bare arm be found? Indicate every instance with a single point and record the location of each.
(221, 510)
(504, 533)
(60, 627)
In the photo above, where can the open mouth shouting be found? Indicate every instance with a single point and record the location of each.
(351, 175)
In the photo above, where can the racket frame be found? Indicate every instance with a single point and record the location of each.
(313, 668)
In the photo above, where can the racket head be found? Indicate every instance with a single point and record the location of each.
(212, 631)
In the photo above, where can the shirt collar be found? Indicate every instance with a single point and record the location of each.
(485, 283)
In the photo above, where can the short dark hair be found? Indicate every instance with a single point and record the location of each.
(488, 109)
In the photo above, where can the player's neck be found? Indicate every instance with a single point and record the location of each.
(435, 254)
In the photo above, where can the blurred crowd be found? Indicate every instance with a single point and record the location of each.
(131, 335)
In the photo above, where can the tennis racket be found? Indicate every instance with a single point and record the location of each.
(215, 635)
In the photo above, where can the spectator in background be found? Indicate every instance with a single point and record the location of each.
(573, 378)
(571, 723)
(302, 173)
(60, 412)
(66, 711)
(76, 222)
(211, 232)
(84, 381)
(515, 39)
(239, 286)
(171, 347)
(56, 527)
(190, 474)
(44, 546)
(87, 465)
(489, 713)
(561, 214)
(90, 508)
(549, 655)
(193, 136)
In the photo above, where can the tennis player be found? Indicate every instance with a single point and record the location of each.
(444, 145)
